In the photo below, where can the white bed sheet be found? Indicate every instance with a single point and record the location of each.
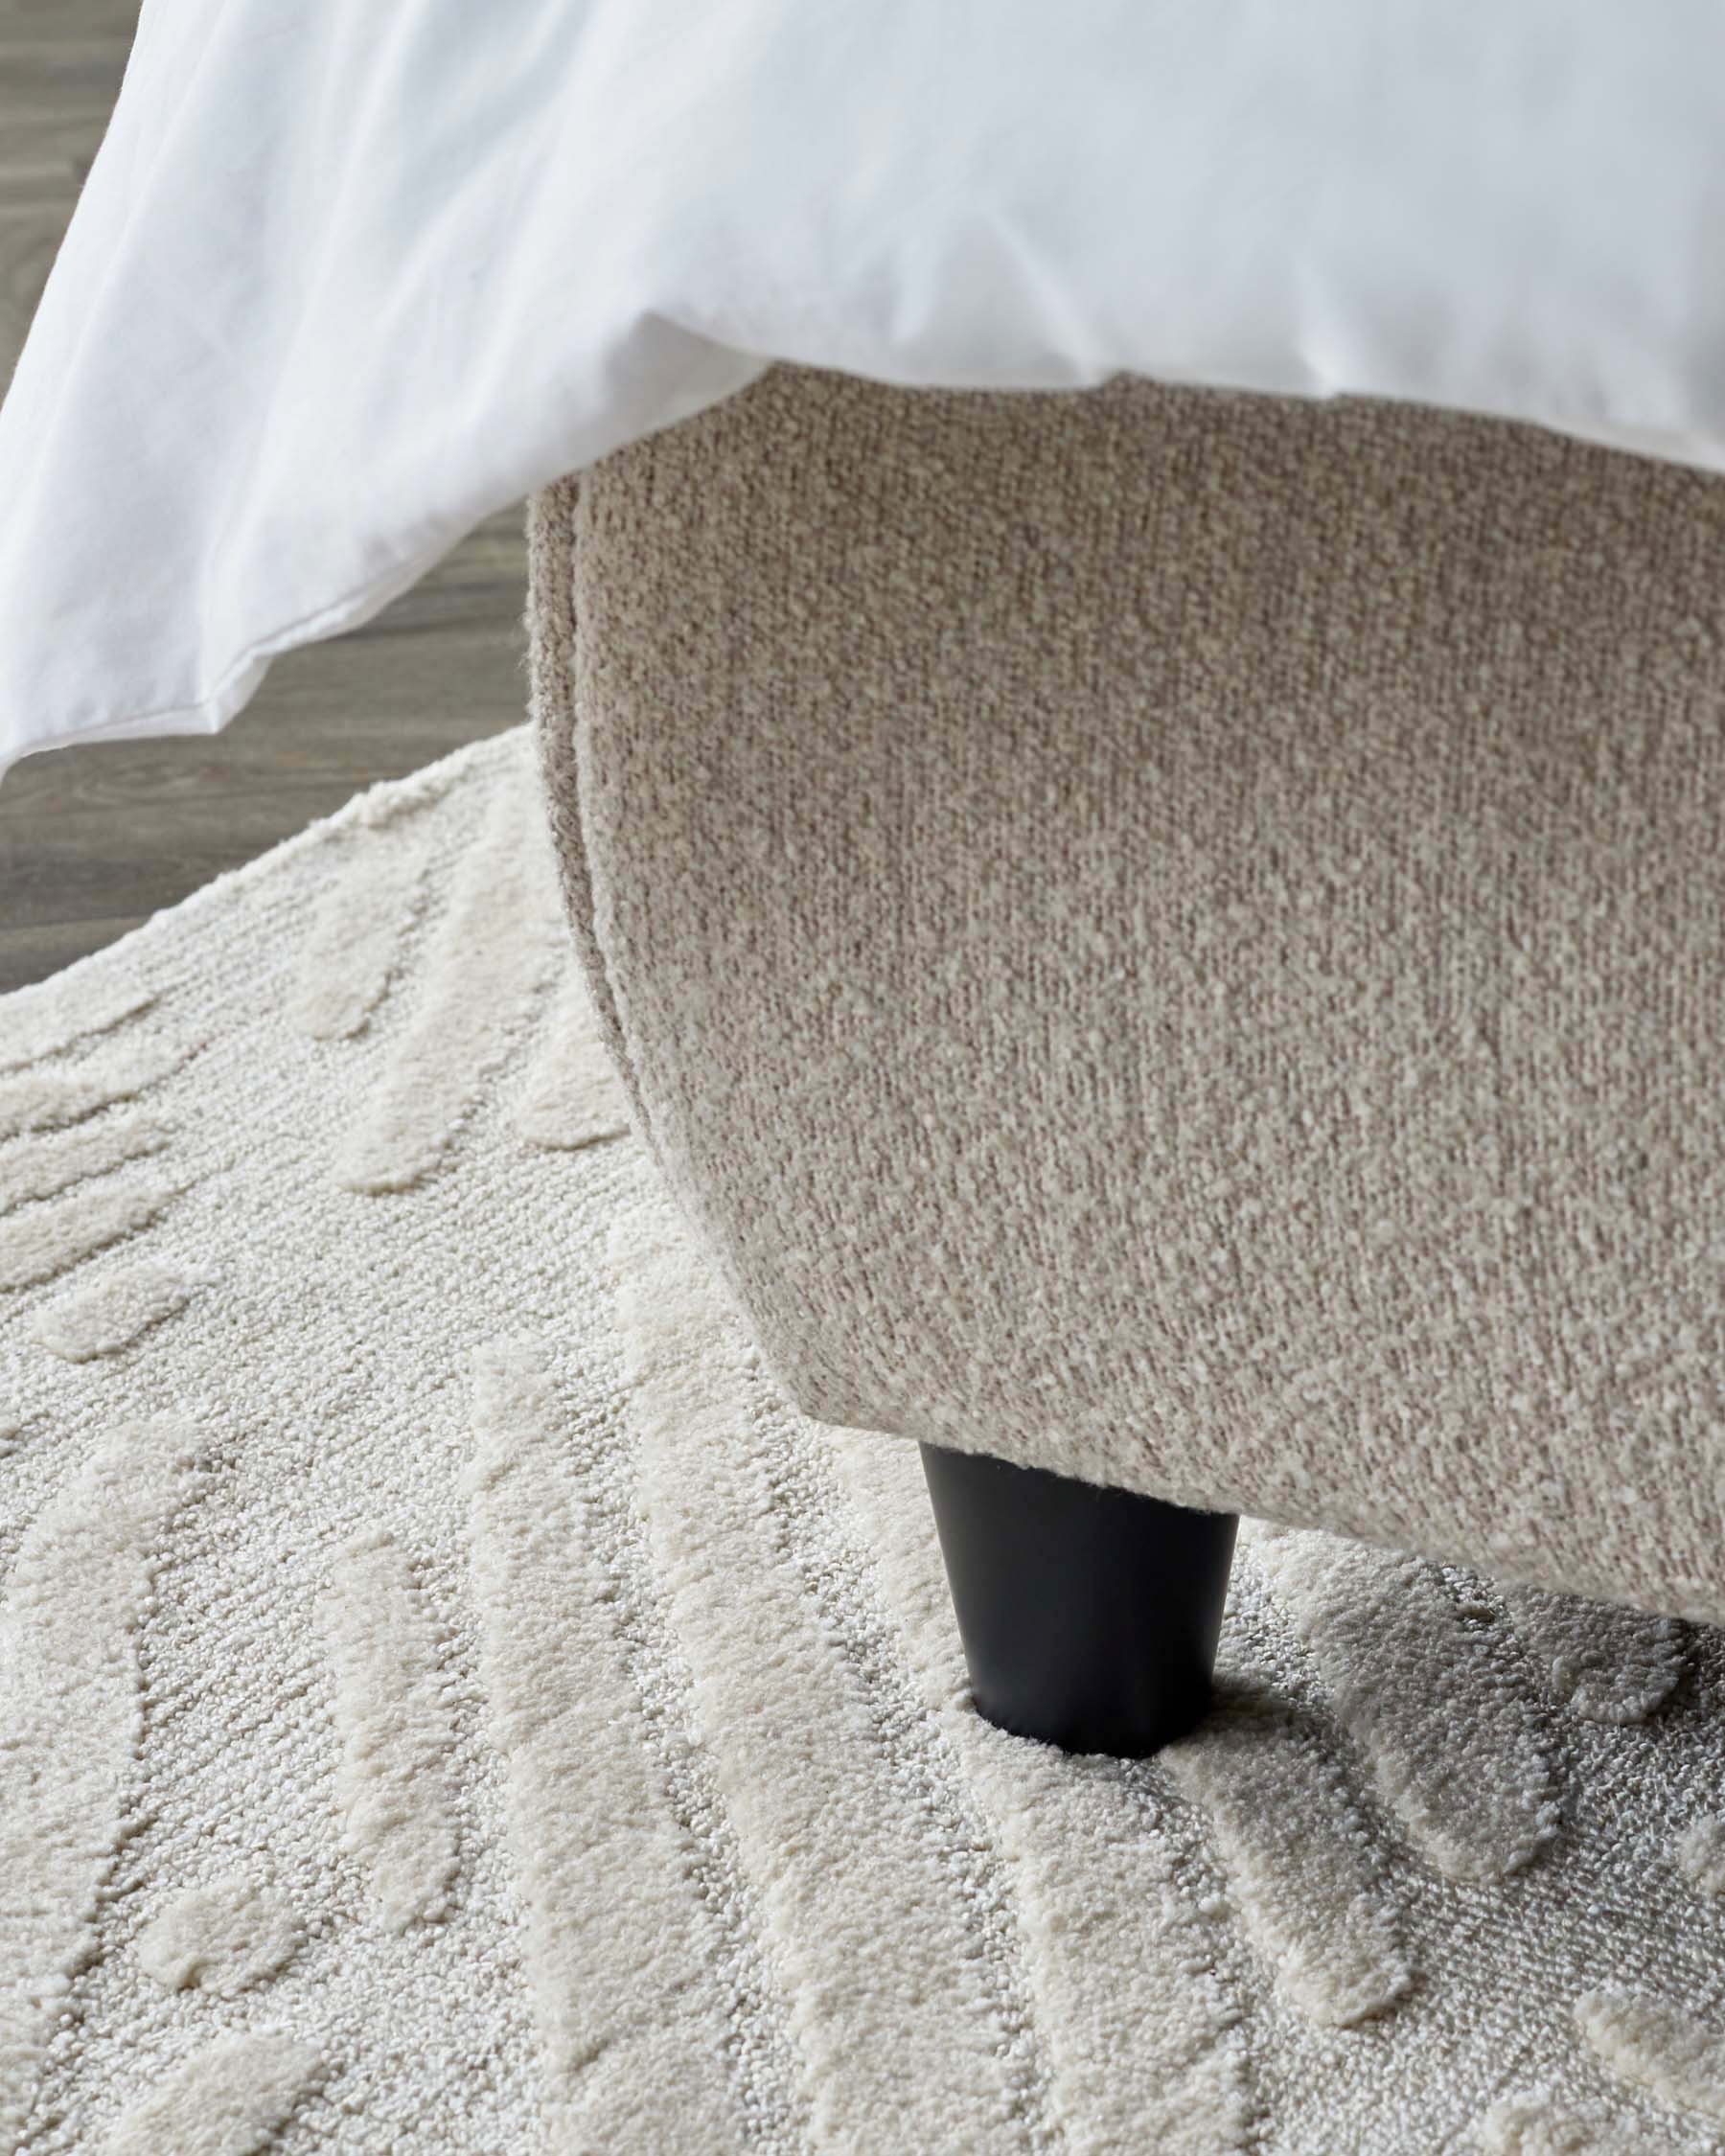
(347, 278)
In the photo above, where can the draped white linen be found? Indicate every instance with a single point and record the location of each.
(346, 278)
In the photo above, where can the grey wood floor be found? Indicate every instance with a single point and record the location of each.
(92, 841)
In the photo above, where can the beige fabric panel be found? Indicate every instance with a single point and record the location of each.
(1179, 937)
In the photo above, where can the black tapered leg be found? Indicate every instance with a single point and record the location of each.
(1088, 1616)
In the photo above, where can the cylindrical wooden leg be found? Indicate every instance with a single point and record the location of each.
(1088, 1616)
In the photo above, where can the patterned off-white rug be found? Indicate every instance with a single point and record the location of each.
(449, 1701)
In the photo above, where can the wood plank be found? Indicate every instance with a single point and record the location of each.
(27, 955)
(70, 23)
(46, 155)
(37, 69)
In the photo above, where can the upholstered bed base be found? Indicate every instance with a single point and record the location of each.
(1180, 938)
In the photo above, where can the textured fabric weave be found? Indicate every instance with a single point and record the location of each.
(1178, 938)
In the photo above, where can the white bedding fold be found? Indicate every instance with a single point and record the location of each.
(344, 281)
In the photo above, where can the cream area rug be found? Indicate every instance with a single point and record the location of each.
(451, 1702)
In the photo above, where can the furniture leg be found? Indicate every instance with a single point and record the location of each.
(1088, 1616)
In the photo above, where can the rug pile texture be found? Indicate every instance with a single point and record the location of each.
(451, 1702)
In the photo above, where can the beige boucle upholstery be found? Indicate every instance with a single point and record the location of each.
(1180, 938)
